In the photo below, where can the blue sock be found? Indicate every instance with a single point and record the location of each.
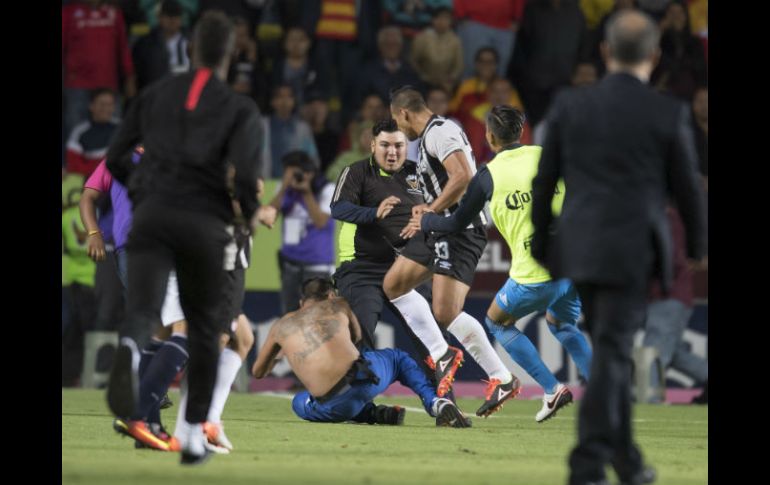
(576, 344)
(147, 354)
(521, 350)
(168, 361)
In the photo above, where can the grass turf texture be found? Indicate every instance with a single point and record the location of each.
(272, 445)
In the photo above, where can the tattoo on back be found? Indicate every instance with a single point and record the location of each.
(317, 327)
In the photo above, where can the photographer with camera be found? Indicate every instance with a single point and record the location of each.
(307, 248)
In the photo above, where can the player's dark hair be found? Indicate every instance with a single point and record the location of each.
(317, 289)
(506, 123)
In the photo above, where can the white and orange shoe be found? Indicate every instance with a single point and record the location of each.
(215, 433)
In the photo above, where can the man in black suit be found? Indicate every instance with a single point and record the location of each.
(622, 150)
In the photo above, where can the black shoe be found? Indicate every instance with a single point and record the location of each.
(497, 394)
(189, 459)
(450, 415)
(123, 389)
(646, 475)
(445, 368)
(165, 402)
(392, 415)
(703, 397)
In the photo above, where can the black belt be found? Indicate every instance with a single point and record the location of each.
(344, 384)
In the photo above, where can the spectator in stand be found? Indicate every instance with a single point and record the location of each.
(245, 75)
(295, 67)
(485, 23)
(654, 8)
(371, 109)
(389, 72)
(344, 36)
(437, 54)
(500, 93)
(668, 317)
(473, 90)
(700, 118)
(284, 132)
(682, 65)
(95, 55)
(315, 112)
(361, 150)
(164, 50)
(437, 100)
(595, 54)
(88, 141)
(153, 10)
(412, 16)
(551, 40)
(584, 74)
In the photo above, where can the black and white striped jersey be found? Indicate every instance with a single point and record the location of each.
(439, 139)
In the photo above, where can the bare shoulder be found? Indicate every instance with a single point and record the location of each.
(339, 305)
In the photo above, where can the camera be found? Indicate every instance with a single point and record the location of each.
(299, 176)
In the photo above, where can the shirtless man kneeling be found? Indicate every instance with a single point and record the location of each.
(319, 342)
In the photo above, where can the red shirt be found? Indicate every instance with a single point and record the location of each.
(94, 47)
(493, 13)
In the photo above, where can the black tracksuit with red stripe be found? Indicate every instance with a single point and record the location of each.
(191, 126)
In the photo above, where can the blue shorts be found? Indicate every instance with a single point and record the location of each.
(558, 297)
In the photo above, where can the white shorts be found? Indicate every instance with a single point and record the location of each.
(172, 308)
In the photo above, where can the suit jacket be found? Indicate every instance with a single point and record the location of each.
(623, 151)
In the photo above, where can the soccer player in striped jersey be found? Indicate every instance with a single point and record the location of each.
(445, 166)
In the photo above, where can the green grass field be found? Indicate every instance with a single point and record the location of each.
(273, 446)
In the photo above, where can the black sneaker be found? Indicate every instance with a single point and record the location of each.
(392, 415)
(123, 389)
(165, 402)
(497, 394)
(703, 397)
(449, 415)
(645, 476)
(445, 368)
(189, 459)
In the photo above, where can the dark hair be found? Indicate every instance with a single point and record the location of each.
(214, 38)
(506, 123)
(484, 49)
(408, 98)
(95, 93)
(171, 8)
(300, 159)
(631, 43)
(317, 289)
(388, 126)
(436, 11)
(278, 87)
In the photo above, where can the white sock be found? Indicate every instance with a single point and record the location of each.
(182, 426)
(471, 335)
(229, 365)
(416, 311)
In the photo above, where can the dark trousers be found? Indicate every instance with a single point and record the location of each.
(81, 318)
(293, 275)
(613, 315)
(360, 283)
(163, 238)
(110, 296)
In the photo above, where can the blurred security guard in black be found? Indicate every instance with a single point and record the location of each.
(191, 125)
(374, 199)
(622, 149)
